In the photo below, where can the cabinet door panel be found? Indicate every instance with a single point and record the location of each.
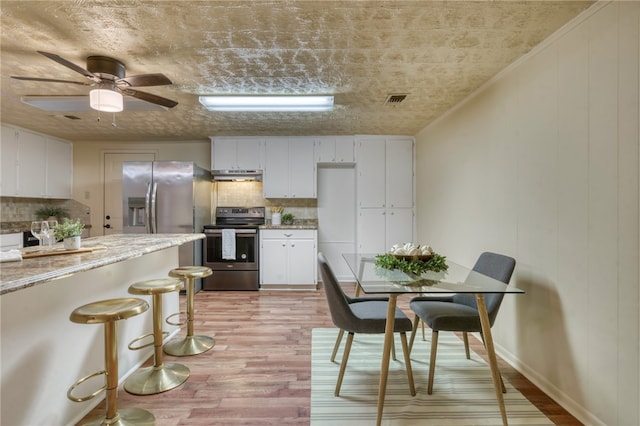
(344, 150)
(325, 150)
(302, 258)
(273, 262)
(399, 226)
(371, 172)
(399, 171)
(31, 164)
(249, 153)
(276, 171)
(224, 154)
(371, 231)
(302, 178)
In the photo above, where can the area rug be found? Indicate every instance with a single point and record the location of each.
(463, 391)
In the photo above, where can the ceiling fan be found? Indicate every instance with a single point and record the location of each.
(108, 76)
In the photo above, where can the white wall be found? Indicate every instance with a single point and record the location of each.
(88, 168)
(543, 164)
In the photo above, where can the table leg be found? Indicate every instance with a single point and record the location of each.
(491, 354)
(386, 354)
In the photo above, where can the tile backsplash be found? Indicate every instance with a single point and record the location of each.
(249, 194)
(16, 209)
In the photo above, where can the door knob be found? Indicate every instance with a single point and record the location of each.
(107, 226)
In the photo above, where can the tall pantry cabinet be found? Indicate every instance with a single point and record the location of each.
(385, 192)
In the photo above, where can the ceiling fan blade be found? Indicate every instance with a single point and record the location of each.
(70, 65)
(145, 80)
(154, 99)
(50, 80)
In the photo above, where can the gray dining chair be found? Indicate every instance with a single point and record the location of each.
(361, 315)
(459, 312)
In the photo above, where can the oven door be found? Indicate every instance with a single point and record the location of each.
(246, 251)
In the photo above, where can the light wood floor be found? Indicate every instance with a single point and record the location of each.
(259, 371)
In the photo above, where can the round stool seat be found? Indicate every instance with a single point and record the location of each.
(108, 310)
(190, 272)
(157, 286)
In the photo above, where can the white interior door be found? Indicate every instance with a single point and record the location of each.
(337, 217)
(112, 214)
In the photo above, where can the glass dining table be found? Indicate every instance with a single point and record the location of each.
(373, 279)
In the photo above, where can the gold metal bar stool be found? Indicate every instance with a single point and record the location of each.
(108, 312)
(160, 377)
(190, 344)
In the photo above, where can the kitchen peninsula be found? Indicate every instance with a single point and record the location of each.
(42, 352)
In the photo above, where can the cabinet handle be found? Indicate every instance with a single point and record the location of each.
(288, 235)
(293, 245)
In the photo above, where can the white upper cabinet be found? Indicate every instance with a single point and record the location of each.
(371, 172)
(237, 153)
(32, 156)
(35, 165)
(385, 192)
(399, 172)
(290, 168)
(335, 149)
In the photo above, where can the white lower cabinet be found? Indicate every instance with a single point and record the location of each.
(288, 258)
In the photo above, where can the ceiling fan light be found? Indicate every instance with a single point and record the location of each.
(268, 103)
(106, 100)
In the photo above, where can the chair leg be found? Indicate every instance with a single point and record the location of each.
(424, 338)
(337, 345)
(393, 348)
(432, 360)
(504, 389)
(465, 338)
(343, 364)
(416, 320)
(407, 363)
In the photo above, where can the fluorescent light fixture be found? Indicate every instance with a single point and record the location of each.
(106, 100)
(268, 103)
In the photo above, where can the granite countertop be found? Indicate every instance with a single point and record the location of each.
(15, 276)
(297, 224)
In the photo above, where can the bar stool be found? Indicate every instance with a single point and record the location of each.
(108, 312)
(190, 344)
(161, 377)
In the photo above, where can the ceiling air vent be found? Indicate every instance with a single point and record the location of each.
(395, 99)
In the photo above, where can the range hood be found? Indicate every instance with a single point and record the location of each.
(236, 175)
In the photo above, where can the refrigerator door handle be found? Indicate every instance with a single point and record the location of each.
(147, 209)
(154, 194)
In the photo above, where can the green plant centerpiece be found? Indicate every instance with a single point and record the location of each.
(287, 218)
(68, 228)
(414, 260)
(51, 211)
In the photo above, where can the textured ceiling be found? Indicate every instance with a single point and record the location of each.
(437, 52)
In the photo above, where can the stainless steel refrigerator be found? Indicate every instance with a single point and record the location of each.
(167, 197)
